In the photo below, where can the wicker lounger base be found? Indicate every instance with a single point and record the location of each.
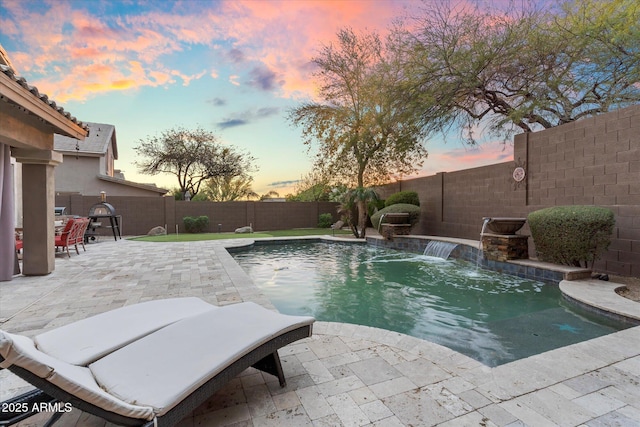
(264, 358)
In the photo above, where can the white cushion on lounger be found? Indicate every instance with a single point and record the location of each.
(77, 380)
(87, 340)
(163, 368)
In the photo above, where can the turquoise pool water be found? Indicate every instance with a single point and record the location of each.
(491, 317)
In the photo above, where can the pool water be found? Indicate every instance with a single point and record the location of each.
(491, 317)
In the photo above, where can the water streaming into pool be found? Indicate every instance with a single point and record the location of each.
(491, 317)
(439, 249)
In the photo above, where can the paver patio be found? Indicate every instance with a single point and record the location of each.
(345, 375)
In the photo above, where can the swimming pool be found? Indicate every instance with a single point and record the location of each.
(491, 317)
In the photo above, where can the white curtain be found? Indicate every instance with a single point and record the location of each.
(7, 216)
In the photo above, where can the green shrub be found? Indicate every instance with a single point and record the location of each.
(571, 235)
(376, 205)
(325, 220)
(412, 210)
(196, 224)
(407, 197)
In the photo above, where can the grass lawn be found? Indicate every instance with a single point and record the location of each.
(188, 237)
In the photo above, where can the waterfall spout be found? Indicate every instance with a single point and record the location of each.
(380, 223)
(439, 249)
(485, 221)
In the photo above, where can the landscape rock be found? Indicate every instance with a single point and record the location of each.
(244, 230)
(157, 231)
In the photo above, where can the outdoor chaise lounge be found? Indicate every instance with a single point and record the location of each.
(149, 364)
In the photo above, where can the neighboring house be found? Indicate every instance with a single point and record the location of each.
(88, 167)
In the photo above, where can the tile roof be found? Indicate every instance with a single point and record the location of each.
(97, 142)
(9, 72)
(4, 58)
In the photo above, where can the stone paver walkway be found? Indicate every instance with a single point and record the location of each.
(344, 375)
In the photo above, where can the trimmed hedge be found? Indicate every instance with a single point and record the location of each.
(196, 224)
(571, 235)
(412, 210)
(406, 197)
(325, 220)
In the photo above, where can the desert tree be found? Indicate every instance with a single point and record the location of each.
(312, 187)
(520, 70)
(229, 188)
(193, 156)
(360, 128)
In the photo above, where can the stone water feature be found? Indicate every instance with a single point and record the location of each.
(392, 224)
(502, 243)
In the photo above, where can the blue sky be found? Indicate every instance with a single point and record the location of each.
(231, 67)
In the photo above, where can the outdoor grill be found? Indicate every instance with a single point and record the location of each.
(103, 211)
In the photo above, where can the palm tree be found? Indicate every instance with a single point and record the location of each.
(357, 198)
(270, 195)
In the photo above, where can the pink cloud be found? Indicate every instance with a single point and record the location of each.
(87, 52)
(452, 158)
(84, 48)
(295, 31)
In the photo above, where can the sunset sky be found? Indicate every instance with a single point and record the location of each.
(233, 67)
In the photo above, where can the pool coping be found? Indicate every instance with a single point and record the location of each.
(601, 297)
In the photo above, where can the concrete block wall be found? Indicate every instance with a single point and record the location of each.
(230, 215)
(282, 216)
(262, 216)
(591, 161)
(594, 161)
(138, 213)
(141, 214)
(454, 203)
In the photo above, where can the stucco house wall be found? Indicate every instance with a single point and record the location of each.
(72, 176)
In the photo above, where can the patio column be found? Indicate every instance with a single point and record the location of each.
(38, 202)
(8, 258)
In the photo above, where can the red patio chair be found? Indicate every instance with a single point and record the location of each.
(67, 237)
(83, 223)
(18, 237)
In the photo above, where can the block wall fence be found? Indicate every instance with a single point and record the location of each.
(593, 161)
(141, 214)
